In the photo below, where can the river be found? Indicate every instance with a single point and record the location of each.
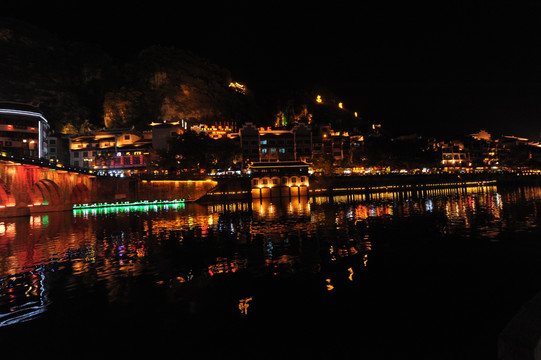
(434, 274)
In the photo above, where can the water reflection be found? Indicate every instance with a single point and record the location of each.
(171, 249)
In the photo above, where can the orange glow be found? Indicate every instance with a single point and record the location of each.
(341, 105)
(329, 286)
(244, 305)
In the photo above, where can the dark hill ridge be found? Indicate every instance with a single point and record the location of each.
(75, 83)
(80, 85)
(65, 79)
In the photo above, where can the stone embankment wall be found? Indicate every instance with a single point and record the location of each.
(350, 184)
(126, 189)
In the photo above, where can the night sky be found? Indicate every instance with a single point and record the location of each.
(447, 68)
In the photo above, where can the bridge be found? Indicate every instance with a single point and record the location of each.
(30, 186)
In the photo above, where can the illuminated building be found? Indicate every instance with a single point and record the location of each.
(330, 142)
(284, 178)
(268, 145)
(116, 151)
(454, 155)
(23, 130)
(217, 129)
(483, 150)
(238, 87)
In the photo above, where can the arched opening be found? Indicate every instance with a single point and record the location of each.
(80, 194)
(6, 198)
(45, 192)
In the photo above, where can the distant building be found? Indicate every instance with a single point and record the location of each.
(115, 151)
(268, 145)
(23, 130)
(164, 132)
(454, 155)
(482, 149)
(217, 129)
(334, 143)
(58, 148)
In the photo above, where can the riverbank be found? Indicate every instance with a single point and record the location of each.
(240, 188)
(337, 185)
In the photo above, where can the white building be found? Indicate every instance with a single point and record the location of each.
(23, 130)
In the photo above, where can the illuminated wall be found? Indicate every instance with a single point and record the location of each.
(27, 189)
(189, 190)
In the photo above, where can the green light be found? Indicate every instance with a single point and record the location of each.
(99, 209)
(128, 203)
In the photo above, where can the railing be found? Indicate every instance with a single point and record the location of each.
(44, 163)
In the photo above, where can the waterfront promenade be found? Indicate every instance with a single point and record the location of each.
(27, 187)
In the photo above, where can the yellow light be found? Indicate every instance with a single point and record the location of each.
(355, 114)
(319, 100)
(341, 105)
(238, 87)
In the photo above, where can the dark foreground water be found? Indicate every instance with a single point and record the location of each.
(433, 275)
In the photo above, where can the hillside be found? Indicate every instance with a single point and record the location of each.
(79, 86)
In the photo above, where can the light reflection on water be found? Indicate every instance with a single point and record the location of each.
(120, 255)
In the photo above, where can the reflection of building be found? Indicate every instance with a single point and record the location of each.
(270, 209)
(23, 130)
(284, 178)
(275, 145)
(118, 151)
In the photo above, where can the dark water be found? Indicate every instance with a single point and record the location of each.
(432, 275)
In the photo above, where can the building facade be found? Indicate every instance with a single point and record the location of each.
(23, 130)
(328, 142)
(455, 156)
(268, 145)
(284, 178)
(115, 152)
